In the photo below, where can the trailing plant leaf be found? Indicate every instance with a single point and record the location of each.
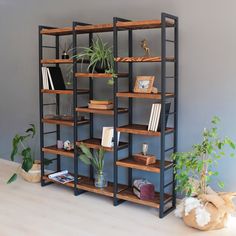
(27, 164)
(12, 179)
(47, 162)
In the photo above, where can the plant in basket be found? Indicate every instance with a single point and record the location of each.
(30, 168)
(203, 208)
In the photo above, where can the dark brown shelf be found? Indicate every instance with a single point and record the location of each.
(87, 184)
(54, 150)
(61, 61)
(131, 163)
(100, 111)
(63, 122)
(143, 95)
(99, 75)
(143, 59)
(66, 91)
(129, 196)
(140, 129)
(135, 25)
(95, 143)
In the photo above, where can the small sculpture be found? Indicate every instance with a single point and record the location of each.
(145, 149)
(144, 45)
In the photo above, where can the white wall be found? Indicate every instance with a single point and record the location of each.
(207, 34)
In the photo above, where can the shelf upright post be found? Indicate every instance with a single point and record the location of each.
(130, 41)
(115, 100)
(91, 98)
(176, 74)
(58, 106)
(41, 126)
(76, 191)
(163, 115)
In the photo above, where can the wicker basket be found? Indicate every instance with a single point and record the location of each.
(33, 175)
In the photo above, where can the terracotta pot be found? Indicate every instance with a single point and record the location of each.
(33, 175)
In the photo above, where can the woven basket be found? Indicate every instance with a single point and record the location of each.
(219, 206)
(33, 175)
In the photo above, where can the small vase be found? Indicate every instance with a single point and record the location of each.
(100, 180)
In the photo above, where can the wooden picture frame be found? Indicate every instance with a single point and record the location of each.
(144, 84)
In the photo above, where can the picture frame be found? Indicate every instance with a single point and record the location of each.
(144, 84)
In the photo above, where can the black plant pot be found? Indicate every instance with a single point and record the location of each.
(101, 69)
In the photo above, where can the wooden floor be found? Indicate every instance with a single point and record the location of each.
(30, 210)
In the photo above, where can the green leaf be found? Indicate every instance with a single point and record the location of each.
(221, 184)
(12, 179)
(27, 164)
(85, 159)
(86, 151)
(31, 130)
(47, 161)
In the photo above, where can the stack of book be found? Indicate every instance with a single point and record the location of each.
(100, 104)
(154, 117)
(52, 78)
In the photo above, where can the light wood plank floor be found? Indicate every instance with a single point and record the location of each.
(30, 210)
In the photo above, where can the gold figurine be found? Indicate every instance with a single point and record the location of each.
(144, 45)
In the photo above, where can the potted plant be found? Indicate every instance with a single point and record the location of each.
(97, 161)
(203, 208)
(30, 168)
(100, 57)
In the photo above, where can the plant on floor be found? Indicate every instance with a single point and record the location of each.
(97, 161)
(100, 58)
(200, 163)
(21, 147)
(203, 208)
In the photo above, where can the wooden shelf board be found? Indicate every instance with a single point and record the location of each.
(95, 143)
(145, 24)
(54, 150)
(135, 25)
(131, 163)
(66, 91)
(57, 31)
(100, 111)
(61, 61)
(143, 59)
(87, 184)
(143, 95)
(129, 196)
(99, 75)
(140, 129)
(63, 122)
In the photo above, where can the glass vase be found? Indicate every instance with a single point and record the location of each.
(100, 180)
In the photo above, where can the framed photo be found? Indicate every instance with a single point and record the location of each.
(144, 84)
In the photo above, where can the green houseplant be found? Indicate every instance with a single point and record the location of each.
(203, 208)
(200, 163)
(21, 148)
(97, 161)
(100, 57)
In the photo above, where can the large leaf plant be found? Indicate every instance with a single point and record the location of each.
(21, 148)
(200, 164)
(96, 160)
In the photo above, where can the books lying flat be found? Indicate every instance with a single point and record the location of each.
(155, 117)
(100, 102)
(100, 106)
(62, 177)
(52, 78)
(108, 137)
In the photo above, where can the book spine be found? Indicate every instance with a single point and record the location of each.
(151, 116)
(154, 118)
(50, 79)
(158, 116)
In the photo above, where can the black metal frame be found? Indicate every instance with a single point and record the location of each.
(164, 16)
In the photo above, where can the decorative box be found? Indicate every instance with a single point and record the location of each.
(143, 189)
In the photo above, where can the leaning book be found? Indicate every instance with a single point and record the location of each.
(62, 177)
